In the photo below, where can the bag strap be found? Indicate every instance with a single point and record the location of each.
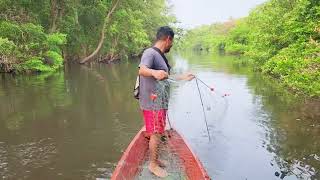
(163, 56)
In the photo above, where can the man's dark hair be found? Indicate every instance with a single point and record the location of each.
(164, 32)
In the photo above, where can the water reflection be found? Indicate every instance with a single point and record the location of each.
(75, 124)
(267, 132)
(87, 113)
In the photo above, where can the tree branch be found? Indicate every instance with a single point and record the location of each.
(90, 57)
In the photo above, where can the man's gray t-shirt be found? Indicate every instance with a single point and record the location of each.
(149, 85)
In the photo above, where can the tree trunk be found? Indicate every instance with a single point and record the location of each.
(56, 12)
(88, 58)
(54, 15)
(61, 13)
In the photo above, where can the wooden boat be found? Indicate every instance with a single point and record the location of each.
(132, 159)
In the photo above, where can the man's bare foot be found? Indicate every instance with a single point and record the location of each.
(157, 170)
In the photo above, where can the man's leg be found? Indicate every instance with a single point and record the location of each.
(154, 148)
(155, 124)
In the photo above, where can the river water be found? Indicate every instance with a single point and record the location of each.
(75, 124)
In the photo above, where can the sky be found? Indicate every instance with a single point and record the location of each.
(193, 13)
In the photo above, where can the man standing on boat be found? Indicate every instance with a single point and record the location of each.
(154, 69)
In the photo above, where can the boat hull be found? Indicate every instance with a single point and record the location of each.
(132, 159)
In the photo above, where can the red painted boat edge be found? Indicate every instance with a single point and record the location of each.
(132, 158)
(193, 166)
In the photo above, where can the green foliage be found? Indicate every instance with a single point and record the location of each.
(8, 55)
(34, 64)
(28, 35)
(56, 58)
(10, 30)
(55, 41)
(27, 45)
(135, 33)
(238, 38)
(41, 28)
(299, 70)
(130, 29)
(134, 25)
(7, 47)
(281, 37)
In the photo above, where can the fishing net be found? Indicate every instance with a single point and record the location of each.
(171, 161)
(202, 104)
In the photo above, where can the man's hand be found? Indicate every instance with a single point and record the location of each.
(157, 74)
(184, 77)
(160, 74)
(187, 77)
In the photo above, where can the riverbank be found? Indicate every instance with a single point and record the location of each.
(280, 39)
